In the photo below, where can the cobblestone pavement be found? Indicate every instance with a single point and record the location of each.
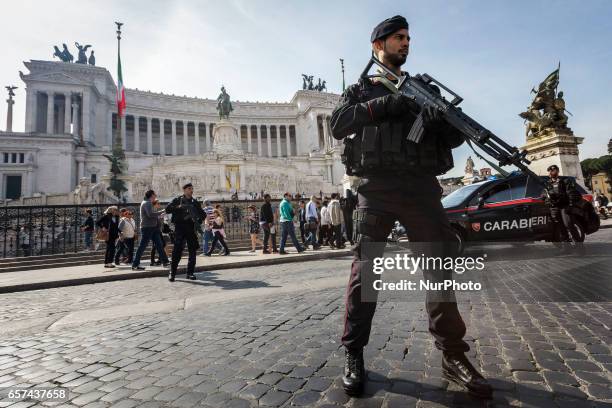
(283, 350)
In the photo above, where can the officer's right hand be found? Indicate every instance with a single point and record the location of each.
(399, 104)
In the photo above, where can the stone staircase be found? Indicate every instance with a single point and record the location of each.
(84, 258)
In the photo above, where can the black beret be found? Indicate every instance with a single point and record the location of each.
(187, 185)
(388, 26)
(552, 166)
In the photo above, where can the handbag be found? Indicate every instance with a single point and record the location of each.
(102, 235)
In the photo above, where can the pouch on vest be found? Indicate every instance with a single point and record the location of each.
(369, 142)
(347, 155)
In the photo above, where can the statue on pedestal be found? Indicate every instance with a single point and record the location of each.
(224, 105)
(547, 110)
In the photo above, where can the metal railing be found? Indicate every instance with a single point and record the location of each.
(55, 229)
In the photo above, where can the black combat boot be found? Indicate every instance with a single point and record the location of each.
(354, 372)
(457, 368)
(171, 276)
(191, 276)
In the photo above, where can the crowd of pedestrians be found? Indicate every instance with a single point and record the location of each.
(321, 221)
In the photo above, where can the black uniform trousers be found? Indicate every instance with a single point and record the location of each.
(415, 202)
(563, 222)
(184, 233)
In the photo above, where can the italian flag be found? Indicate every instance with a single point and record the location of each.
(120, 89)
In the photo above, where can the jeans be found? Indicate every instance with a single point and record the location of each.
(88, 239)
(148, 234)
(311, 234)
(207, 237)
(287, 228)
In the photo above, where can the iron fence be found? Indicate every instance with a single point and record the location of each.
(56, 229)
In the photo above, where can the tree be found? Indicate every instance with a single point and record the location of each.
(592, 166)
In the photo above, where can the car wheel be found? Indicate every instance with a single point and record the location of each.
(581, 235)
(459, 241)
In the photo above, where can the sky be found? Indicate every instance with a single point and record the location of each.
(490, 52)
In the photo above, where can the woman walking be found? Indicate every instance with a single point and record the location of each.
(253, 227)
(109, 224)
(217, 229)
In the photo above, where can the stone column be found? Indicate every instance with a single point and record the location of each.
(248, 141)
(109, 128)
(222, 180)
(75, 122)
(30, 118)
(207, 134)
(196, 129)
(87, 117)
(162, 137)
(123, 133)
(269, 139)
(149, 135)
(67, 102)
(258, 131)
(279, 150)
(9, 114)
(136, 133)
(173, 127)
(81, 169)
(185, 138)
(50, 104)
(325, 135)
(288, 135)
(243, 186)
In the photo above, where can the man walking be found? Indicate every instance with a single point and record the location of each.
(313, 221)
(127, 234)
(302, 218)
(335, 213)
(187, 215)
(149, 230)
(286, 224)
(266, 219)
(88, 229)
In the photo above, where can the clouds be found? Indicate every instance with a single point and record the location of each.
(491, 53)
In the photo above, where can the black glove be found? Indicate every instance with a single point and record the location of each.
(432, 116)
(391, 105)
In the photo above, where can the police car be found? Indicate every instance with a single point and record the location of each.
(510, 209)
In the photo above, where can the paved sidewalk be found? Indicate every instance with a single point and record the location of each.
(86, 274)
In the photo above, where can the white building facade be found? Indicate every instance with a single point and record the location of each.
(71, 124)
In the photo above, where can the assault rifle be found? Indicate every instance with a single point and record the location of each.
(420, 88)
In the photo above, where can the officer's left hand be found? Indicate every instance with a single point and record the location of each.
(432, 116)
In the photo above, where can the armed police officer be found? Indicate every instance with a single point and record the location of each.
(559, 195)
(187, 216)
(397, 182)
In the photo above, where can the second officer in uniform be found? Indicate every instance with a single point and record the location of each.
(187, 216)
(397, 182)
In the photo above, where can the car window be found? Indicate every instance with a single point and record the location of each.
(517, 188)
(458, 196)
(535, 189)
(501, 192)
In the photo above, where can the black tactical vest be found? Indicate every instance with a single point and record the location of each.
(383, 149)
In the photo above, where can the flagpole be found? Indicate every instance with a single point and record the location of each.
(342, 65)
(119, 139)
